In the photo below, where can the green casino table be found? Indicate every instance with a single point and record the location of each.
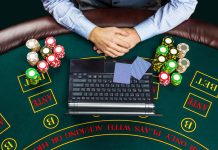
(34, 117)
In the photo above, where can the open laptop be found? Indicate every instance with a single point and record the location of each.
(92, 91)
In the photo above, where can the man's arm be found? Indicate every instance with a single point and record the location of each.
(69, 16)
(166, 18)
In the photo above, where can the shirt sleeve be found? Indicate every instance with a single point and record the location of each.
(66, 14)
(166, 18)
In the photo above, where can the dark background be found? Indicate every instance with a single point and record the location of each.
(16, 11)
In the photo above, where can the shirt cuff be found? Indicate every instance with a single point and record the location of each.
(85, 27)
(146, 29)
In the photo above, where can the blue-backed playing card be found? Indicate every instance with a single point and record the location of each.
(139, 67)
(122, 73)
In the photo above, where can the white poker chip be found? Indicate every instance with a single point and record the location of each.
(161, 59)
(173, 51)
(168, 40)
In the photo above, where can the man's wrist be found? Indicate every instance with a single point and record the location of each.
(92, 34)
(137, 35)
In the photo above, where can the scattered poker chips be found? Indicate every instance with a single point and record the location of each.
(171, 60)
(42, 66)
(33, 45)
(164, 78)
(50, 52)
(176, 79)
(32, 58)
(32, 76)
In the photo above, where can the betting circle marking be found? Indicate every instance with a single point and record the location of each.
(9, 144)
(188, 125)
(51, 121)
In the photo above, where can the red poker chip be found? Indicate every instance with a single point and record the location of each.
(59, 51)
(164, 78)
(53, 61)
(50, 42)
(42, 66)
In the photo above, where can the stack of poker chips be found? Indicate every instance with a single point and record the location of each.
(172, 55)
(183, 48)
(160, 58)
(183, 64)
(45, 51)
(176, 79)
(168, 41)
(32, 76)
(33, 45)
(50, 52)
(164, 78)
(53, 61)
(170, 66)
(42, 66)
(169, 61)
(32, 58)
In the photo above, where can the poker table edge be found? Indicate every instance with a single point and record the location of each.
(17, 35)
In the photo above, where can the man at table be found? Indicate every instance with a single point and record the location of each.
(113, 41)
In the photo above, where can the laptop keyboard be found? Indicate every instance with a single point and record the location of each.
(94, 87)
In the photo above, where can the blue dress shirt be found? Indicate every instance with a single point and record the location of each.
(166, 18)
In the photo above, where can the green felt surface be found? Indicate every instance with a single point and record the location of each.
(27, 127)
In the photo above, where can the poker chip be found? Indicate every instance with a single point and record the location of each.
(50, 42)
(164, 78)
(42, 66)
(161, 59)
(45, 51)
(32, 58)
(183, 48)
(32, 76)
(167, 41)
(172, 54)
(59, 51)
(176, 79)
(170, 66)
(158, 63)
(33, 45)
(183, 64)
(53, 61)
(162, 50)
(173, 51)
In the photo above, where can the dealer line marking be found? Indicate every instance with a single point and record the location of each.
(134, 121)
(93, 57)
(216, 96)
(45, 107)
(195, 111)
